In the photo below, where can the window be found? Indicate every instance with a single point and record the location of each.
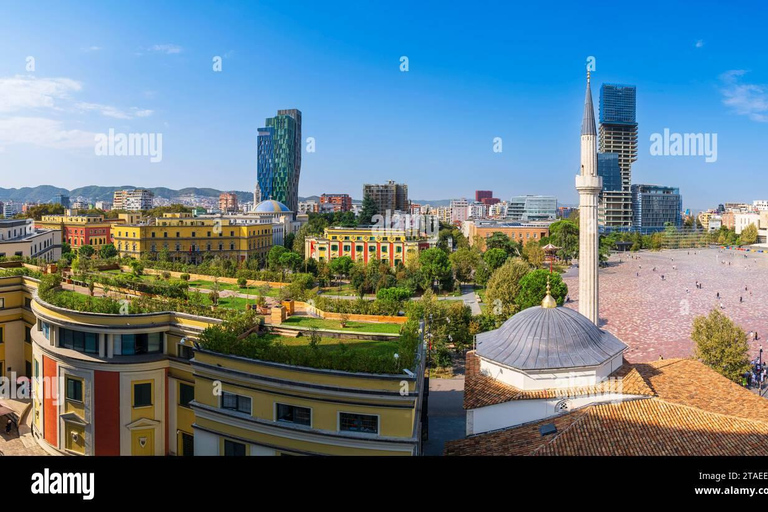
(294, 414)
(366, 423)
(74, 389)
(37, 368)
(81, 341)
(186, 394)
(184, 351)
(2, 303)
(28, 369)
(346, 248)
(187, 445)
(235, 402)
(142, 394)
(27, 334)
(233, 449)
(358, 248)
(334, 247)
(132, 344)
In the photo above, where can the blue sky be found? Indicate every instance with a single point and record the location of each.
(477, 71)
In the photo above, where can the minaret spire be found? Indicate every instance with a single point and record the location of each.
(589, 185)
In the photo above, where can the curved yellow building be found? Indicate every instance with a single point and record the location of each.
(139, 385)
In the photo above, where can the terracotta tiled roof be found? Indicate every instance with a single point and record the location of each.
(639, 427)
(690, 382)
(481, 390)
(695, 411)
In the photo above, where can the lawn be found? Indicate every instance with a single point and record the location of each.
(252, 290)
(384, 348)
(370, 327)
(345, 290)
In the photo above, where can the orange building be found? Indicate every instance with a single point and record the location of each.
(519, 232)
(80, 230)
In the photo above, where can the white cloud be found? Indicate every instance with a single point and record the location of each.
(43, 132)
(25, 92)
(32, 112)
(92, 48)
(699, 43)
(166, 48)
(745, 99)
(114, 112)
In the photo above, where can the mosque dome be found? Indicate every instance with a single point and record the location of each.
(548, 338)
(271, 206)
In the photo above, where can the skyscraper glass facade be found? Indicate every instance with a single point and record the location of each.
(531, 208)
(279, 158)
(618, 104)
(608, 168)
(617, 135)
(654, 206)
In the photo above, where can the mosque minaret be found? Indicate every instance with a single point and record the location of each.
(589, 185)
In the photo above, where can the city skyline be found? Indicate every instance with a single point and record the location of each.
(372, 122)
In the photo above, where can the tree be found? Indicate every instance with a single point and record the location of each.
(393, 294)
(290, 260)
(533, 289)
(721, 344)
(367, 211)
(749, 235)
(107, 251)
(136, 267)
(298, 240)
(565, 234)
(503, 287)
(158, 211)
(86, 251)
(533, 253)
(288, 241)
(435, 266)
(499, 240)
(341, 266)
(273, 258)
(36, 212)
(495, 258)
(464, 262)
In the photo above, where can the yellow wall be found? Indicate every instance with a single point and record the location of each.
(216, 236)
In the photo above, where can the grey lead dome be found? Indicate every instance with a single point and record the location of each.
(540, 339)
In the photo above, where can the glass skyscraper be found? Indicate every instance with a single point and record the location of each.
(618, 104)
(608, 168)
(618, 135)
(654, 206)
(279, 159)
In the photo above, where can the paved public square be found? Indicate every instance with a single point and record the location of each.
(654, 316)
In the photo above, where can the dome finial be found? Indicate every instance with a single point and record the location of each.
(548, 302)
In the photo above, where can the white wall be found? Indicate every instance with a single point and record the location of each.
(550, 379)
(517, 412)
(206, 443)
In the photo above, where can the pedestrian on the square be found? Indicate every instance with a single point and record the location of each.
(718, 295)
